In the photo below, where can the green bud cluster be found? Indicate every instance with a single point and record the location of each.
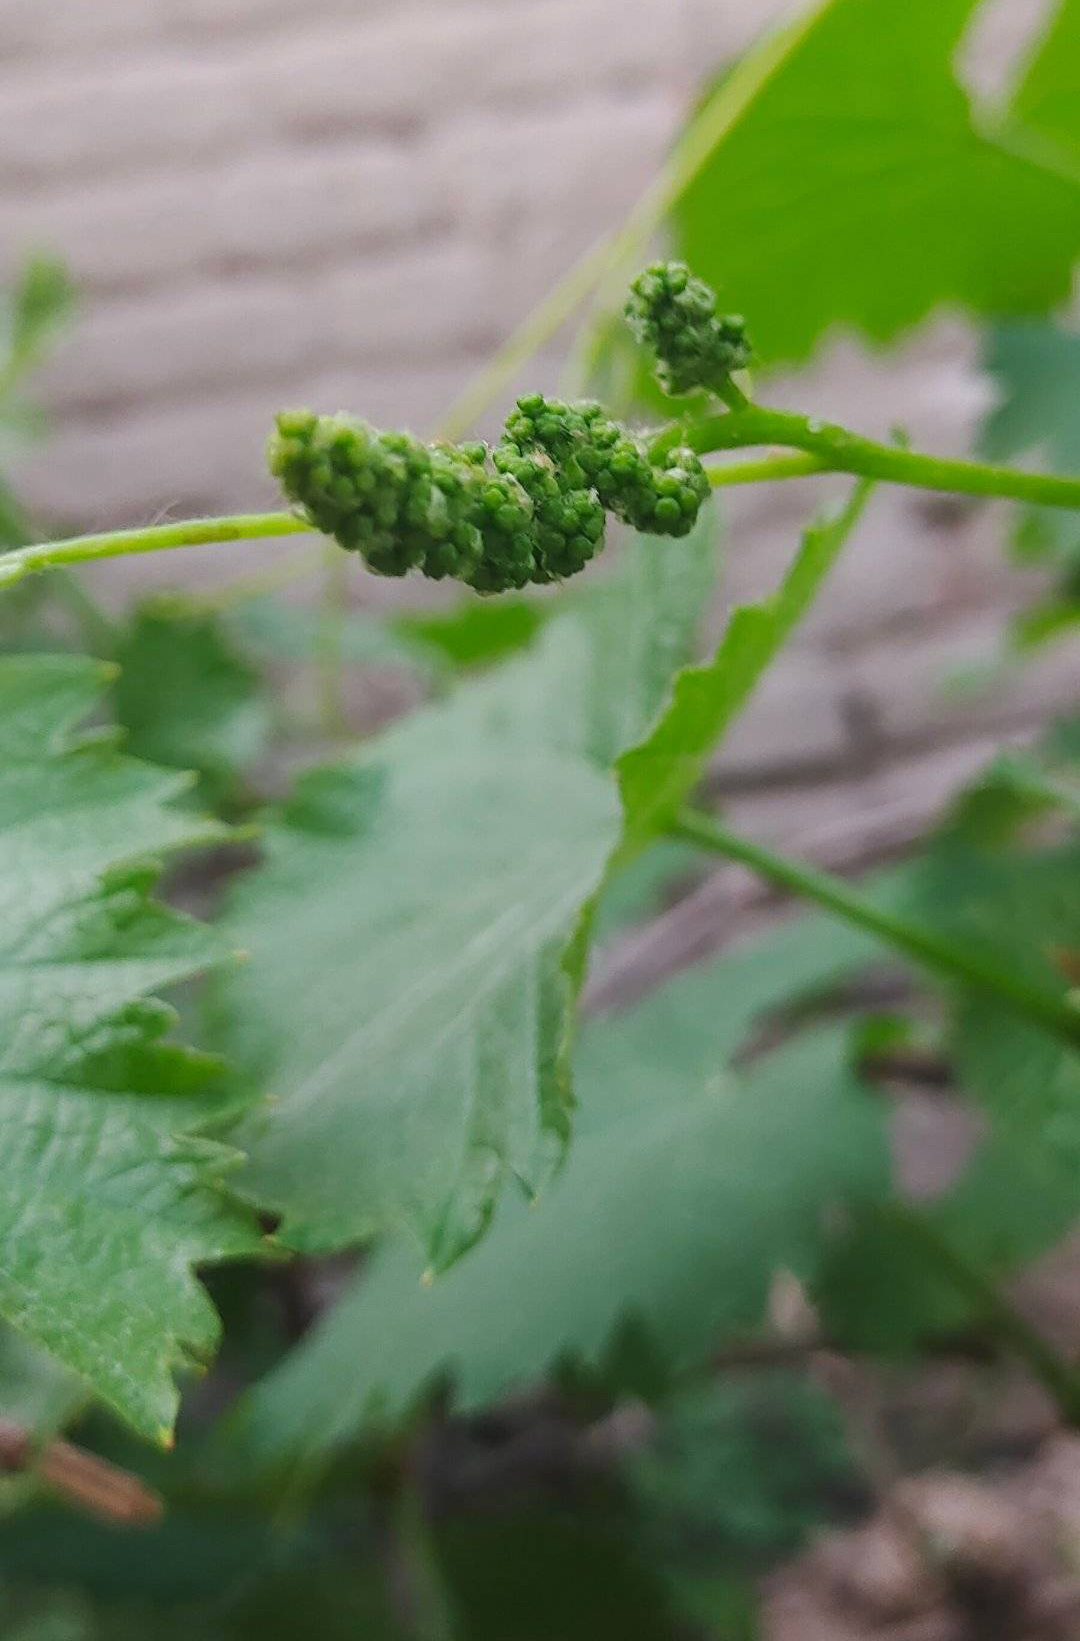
(402, 504)
(596, 453)
(531, 510)
(673, 314)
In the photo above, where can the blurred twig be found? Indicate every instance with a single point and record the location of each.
(81, 1478)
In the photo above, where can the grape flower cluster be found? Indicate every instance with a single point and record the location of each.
(673, 315)
(533, 508)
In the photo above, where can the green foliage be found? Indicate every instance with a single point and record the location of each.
(476, 634)
(584, 1222)
(107, 1196)
(187, 698)
(32, 316)
(367, 918)
(1037, 367)
(664, 1218)
(1020, 1192)
(859, 188)
(1047, 101)
(39, 307)
(740, 1471)
(658, 775)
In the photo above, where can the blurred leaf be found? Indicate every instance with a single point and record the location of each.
(14, 525)
(291, 632)
(656, 776)
(685, 1191)
(107, 1201)
(46, 1617)
(1021, 1192)
(553, 1575)
(638, 890)
(407, 997)
(41, 304)
(35, 1390)
(857, 190)
(1041, 623)
(479, 631)
(1037, 367)
(187, 699)
(1047, 100)
(739, 1472)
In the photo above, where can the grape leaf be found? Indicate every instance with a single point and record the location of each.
(740, 1471)
(407, 997)
(685, 1190)
(657, 774)
(475, 633)
(186, 698)
(293, 632)
(1047, 99)
(1021, 1191)
(1037, 366)
(107, 1198)
(857, 190)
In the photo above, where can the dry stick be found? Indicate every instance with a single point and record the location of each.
(94, 1485)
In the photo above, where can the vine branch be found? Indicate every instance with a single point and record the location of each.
(151, 538)
(929, 948)
(817, 447)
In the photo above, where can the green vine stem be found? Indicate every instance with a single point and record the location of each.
(932, 950)
(821, 447)
(1012, 1329)
(152, 538)
(839, 450)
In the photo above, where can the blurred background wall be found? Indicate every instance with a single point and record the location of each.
(351, 202)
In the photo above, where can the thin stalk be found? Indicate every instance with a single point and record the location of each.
(934, 951)
(824, 447)
(840, 450)
(769, 467)
(1058, 1375)
(151, 538)
(721, 113)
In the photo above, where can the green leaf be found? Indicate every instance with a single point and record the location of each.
(41, 304)
(293, 632)
(186, 698)
(657, 775)
(1047, 101)
(106, 1198)
(739, 1472)
(15, 528)
(1021, 1192)
(406, 998)
(857, 190)
(477, 632)
(685, 1191)
(1037, 367)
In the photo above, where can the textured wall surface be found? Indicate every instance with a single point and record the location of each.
(350, 202)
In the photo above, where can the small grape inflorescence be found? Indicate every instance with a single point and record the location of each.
(673, 314)
(531, 509)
